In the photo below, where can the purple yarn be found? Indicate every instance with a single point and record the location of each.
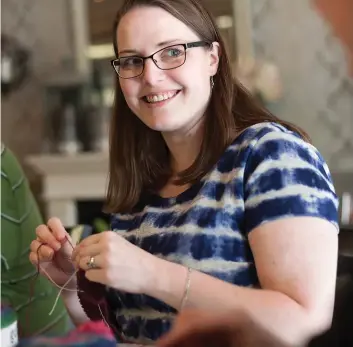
(91, 294)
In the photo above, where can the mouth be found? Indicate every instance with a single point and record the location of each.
(160, 97)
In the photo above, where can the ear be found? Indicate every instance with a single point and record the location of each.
(214, 54)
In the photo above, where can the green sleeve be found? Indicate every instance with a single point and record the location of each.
(29, 296)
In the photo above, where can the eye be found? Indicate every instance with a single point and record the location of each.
(172, 52)
(130, 62)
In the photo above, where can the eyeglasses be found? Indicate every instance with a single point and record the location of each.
(167, 58)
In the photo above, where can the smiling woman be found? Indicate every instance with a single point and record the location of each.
(189, 47)
(216, 203)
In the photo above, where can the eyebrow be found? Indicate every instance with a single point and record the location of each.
(159, 45)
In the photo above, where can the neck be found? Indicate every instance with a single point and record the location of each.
(184, 147)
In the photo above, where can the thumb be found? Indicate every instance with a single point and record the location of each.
(67, 245)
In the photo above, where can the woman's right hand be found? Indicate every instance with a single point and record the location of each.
(54, 255)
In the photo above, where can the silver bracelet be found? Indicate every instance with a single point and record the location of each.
(187, 288)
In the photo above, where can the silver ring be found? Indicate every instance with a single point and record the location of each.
(91, 264)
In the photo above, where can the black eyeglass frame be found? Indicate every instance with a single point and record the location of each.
(185, 45)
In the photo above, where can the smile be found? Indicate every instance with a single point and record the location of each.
(156, 98)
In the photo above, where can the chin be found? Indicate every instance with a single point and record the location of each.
(164, 122)
(164, 127)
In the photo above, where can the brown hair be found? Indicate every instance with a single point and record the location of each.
(139, 158)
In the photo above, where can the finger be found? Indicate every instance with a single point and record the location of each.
(43, 251)
(97, 276)
(67, 247)
(60, 233)
(45, 236)
(92, 239)
(57, 229)
(33, 258)
(83, 263)
(38, 264)
(35, 244)
(83, 251)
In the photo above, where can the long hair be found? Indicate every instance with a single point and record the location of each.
(139, 158)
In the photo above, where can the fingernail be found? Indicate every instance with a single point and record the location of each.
(57, 246)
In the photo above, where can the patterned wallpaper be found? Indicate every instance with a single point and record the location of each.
(318, 91)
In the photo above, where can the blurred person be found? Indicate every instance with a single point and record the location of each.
(31, 298)
(339, 15)
(216, 203)
(197, 328)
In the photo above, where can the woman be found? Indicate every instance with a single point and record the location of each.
(216, 203)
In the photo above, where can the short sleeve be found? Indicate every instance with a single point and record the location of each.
(285, 176)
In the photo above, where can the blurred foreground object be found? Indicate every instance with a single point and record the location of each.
(9, 332)
(339, 14)
(195, 328)
(89, 334)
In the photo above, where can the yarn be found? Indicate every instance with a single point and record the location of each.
(88, 334)
(90, 294)
(98, 328)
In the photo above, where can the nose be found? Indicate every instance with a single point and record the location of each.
(151, 73)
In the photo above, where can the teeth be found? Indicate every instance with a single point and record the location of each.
(160, 97)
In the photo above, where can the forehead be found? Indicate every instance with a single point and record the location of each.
(143, 28)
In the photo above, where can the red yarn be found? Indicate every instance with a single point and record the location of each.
(99, 328)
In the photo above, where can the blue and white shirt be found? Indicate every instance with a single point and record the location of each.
(267, 173)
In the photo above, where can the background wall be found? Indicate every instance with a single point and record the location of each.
(292, 34)
(318, 90)
(42, 27)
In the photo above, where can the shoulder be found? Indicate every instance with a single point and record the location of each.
(284, 176)
(11, 169)
(273, 144)
(260, 135)
(18, 204)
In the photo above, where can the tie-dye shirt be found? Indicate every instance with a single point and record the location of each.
(266, 174)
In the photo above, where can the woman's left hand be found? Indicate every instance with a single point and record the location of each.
(115, 262)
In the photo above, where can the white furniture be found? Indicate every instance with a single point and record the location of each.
(68, 178)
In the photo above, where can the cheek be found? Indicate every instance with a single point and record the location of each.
(130, 93)
(129, 89)
(193, 78)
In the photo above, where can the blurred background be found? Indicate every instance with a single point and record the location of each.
(57, 87)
